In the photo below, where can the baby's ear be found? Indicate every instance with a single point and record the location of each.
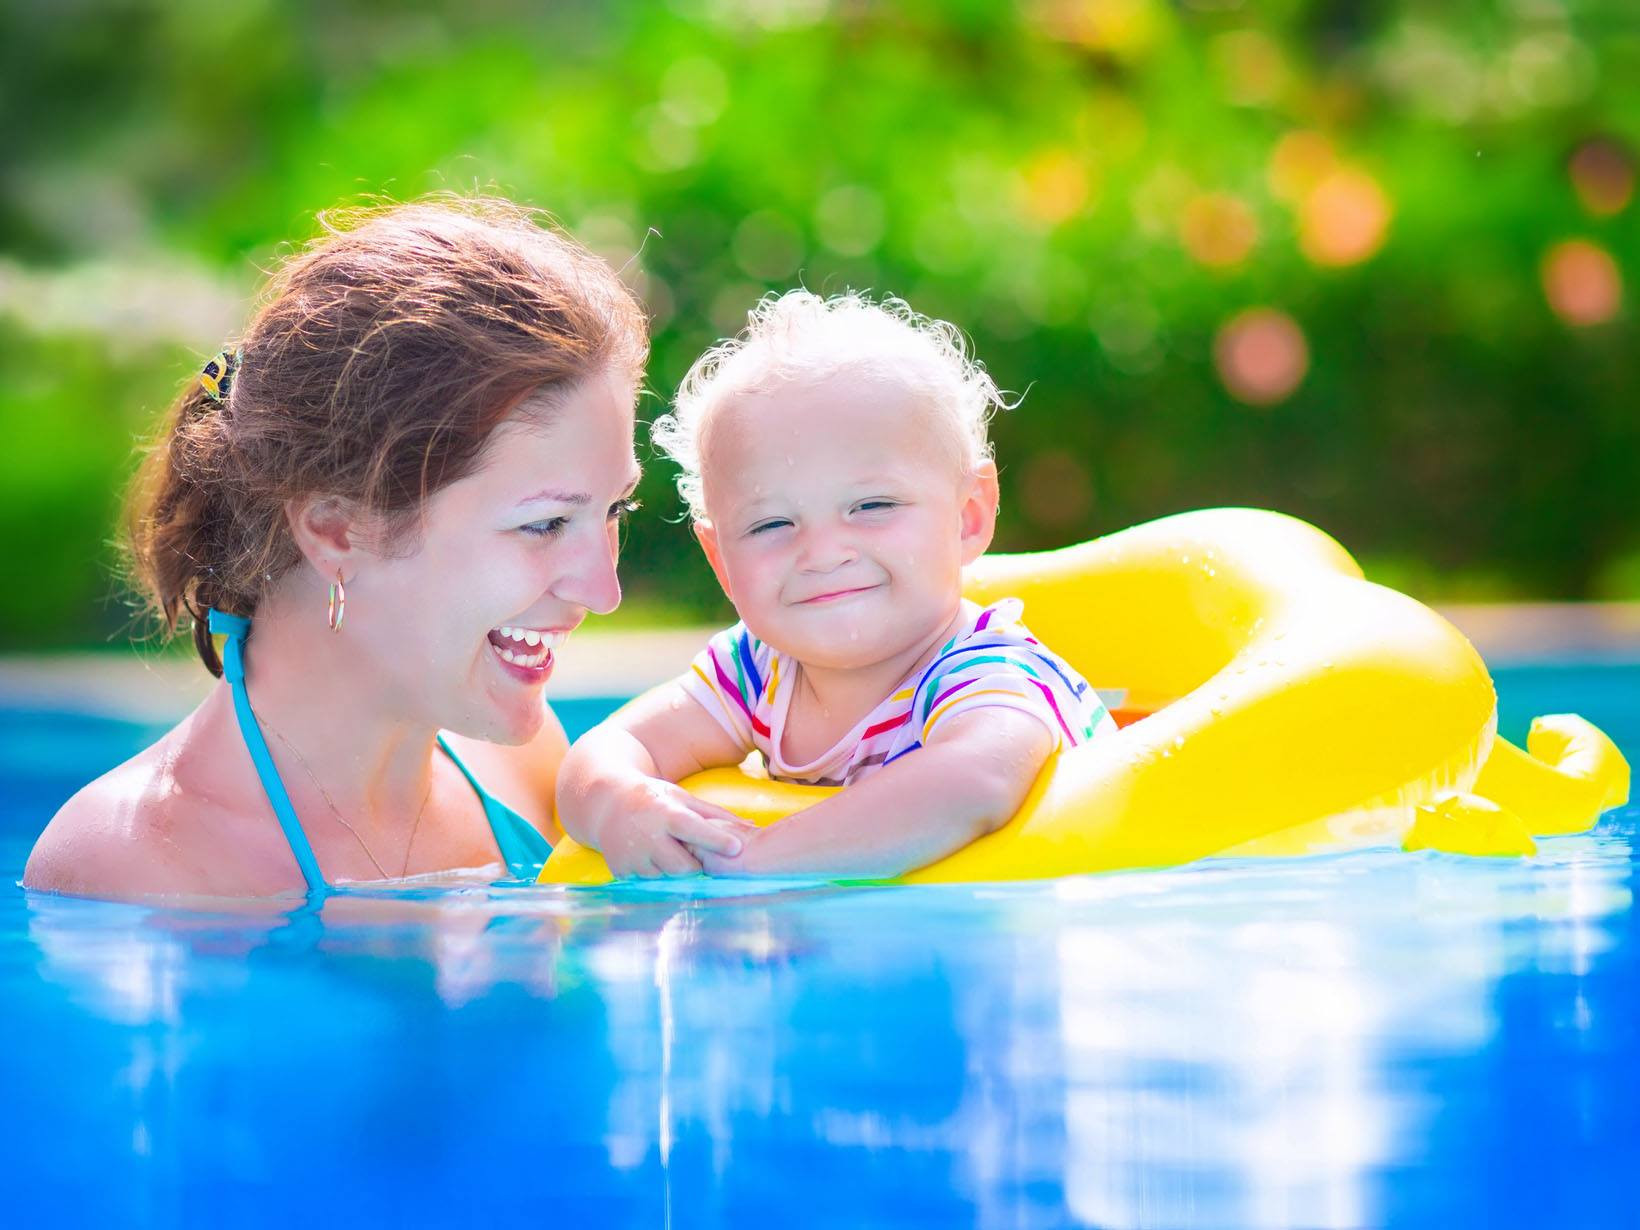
(979, 511)
(706, 535)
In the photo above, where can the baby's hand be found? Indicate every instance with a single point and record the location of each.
(737, 863)
(654, 828)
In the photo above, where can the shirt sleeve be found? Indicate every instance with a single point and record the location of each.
(1003, 677)
(727, 678)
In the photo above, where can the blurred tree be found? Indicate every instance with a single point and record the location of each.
(1367, 263)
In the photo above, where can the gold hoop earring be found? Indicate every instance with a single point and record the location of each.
(338, 603)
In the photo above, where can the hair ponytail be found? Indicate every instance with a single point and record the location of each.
(179, 521)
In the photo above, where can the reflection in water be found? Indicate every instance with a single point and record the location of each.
(1323, 1042)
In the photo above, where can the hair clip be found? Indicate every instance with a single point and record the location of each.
(217, 376)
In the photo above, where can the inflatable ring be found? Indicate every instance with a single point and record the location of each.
(1276, 703)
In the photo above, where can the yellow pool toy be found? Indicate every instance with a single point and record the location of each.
(1276, 703)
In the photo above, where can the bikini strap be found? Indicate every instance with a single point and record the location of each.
(522, 846)
(236, 628)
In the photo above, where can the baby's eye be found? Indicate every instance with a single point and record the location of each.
(620, 510)
(876, 505)
(550, 528)
(773, 523)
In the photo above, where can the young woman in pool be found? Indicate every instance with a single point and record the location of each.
(396, 494)
(836, 462)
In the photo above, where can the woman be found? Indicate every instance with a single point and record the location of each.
(392, 499)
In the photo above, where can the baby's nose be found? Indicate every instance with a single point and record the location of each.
(825, 549)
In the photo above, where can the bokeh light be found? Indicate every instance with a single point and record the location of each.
(1122, 28)
(1056, 492)
(1344, 218)
(1218, 229)
(1261, 356)
(1582, 282)
(768, 245)
(1299, 162)
(1057, 186)
(1602, 171)
(850, 219)
(1251, 67)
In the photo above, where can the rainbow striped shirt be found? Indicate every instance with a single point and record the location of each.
(995, 663)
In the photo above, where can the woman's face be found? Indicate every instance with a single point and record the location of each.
(511, 559)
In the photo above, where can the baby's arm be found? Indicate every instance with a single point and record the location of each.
(967, 781)
(616, 792)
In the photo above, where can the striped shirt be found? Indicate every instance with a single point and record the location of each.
(993, 663)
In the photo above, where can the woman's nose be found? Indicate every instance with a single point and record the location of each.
(591, 580)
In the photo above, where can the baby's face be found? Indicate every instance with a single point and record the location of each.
(840, 515)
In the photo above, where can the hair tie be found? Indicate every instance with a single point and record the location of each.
(216, 378)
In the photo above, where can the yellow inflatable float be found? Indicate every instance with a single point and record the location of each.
(1277, 703)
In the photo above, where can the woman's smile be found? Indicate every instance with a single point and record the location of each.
(527, 654)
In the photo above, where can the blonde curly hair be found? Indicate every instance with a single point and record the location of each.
(800, 335)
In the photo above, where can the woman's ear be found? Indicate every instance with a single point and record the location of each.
(706, 535)
(329, 533)
(979, 511)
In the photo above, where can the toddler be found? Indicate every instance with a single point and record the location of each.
(835, 460)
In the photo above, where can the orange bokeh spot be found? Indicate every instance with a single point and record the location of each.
(1344, 219)
(1218, 229)
(1261, 356)
(1582, 282)
(1602, 172)
(1057, 186)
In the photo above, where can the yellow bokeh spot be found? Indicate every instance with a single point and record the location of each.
(1300, 161)
(1125, 29)
(1057, 186)
(1218, 229)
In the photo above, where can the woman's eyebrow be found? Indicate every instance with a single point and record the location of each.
(577, 499)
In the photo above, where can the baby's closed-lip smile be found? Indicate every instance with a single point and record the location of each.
(834, 595)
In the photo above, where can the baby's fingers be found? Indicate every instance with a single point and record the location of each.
(706, 834)
(672, 859)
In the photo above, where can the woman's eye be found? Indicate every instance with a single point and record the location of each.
(620, 510)
(549, 528)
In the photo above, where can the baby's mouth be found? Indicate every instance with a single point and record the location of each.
(530, 648)
(835, 595)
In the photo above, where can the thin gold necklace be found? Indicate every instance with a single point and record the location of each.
(342, 820)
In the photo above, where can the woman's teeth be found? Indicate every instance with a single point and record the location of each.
(528, 647)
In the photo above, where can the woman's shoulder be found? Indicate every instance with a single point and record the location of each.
(142, 828)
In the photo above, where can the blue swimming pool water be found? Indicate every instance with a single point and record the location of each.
(1367, 1040)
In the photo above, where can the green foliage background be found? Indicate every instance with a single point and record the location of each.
(1025, 170)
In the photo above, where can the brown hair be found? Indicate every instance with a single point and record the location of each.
(383, 356)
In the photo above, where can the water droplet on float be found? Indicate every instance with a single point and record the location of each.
(1178, 741)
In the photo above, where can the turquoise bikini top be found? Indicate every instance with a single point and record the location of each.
(522, 846)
